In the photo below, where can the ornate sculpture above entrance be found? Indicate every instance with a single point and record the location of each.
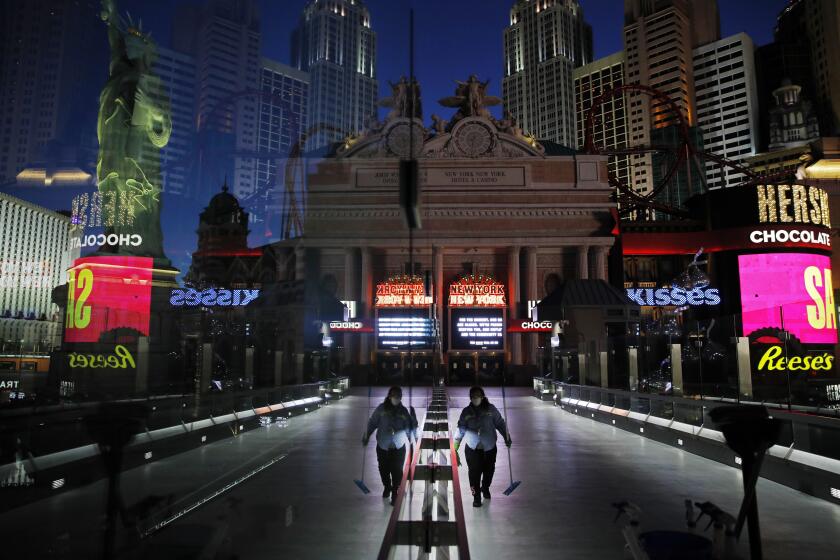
(472, 133)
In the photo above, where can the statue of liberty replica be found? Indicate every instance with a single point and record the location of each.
(134, 124)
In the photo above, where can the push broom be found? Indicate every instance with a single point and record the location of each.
(361, 481)
(513, 483)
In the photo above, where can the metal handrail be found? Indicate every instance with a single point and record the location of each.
(801, 422)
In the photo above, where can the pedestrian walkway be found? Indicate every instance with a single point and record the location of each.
(305, 505)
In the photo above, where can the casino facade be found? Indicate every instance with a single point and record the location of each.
(505, 220)
(766, 304)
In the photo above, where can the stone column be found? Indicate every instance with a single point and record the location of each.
(601, 262)
(583, 262)
(365, 308)
(531, 291)
(350, 291)
(513, 305)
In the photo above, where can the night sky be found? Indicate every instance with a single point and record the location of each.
(456, 38)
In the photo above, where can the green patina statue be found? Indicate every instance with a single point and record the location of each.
(134, 124)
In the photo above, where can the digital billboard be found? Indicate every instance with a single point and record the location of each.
(107, 293)
(791, 292)
(477, 329)
(403, 329)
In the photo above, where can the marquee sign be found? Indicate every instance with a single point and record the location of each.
(530, 326)
(477, 291)
(402, 291)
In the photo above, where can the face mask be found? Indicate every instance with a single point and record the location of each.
(395, 401)
(476, 401)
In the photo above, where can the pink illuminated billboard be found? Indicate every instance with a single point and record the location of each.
(789, 291)
(107, 293)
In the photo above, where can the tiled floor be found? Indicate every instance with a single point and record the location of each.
(306, 506)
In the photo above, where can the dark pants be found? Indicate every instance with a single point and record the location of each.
(391, 463)
(481, 465)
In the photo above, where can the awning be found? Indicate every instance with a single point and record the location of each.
(578, 294)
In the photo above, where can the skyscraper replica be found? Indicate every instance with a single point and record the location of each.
(659, 37)
(727, 104)
(224, 37)
(610, 121)
(334, 42)
(543, 44)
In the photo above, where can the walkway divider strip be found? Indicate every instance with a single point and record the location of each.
(435, 464)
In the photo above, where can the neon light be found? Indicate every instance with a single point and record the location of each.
(121, 359)
(349, 326)
(793, 204)
(674, 296)
(790, 236)
(774, 360)
(527, 325)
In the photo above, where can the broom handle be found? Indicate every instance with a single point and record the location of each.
(364, 456)
(364, 450)
(507, 429)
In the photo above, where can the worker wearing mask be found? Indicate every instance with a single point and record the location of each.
(478, 424)
(394, 426)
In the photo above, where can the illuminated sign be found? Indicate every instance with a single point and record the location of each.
(8, 384)
(477, 291)
(26, 274)
(120, 359)
(98, 209)
(402, 291)
(212, 297)
(774, 359)
(793, 204)
(527, 326)
(789, 291)
(349, 326)
(107, 293)
(674, 296)
(351, 309)
(112, 239)
(474, 329)
(804, 236)
(404, 329)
